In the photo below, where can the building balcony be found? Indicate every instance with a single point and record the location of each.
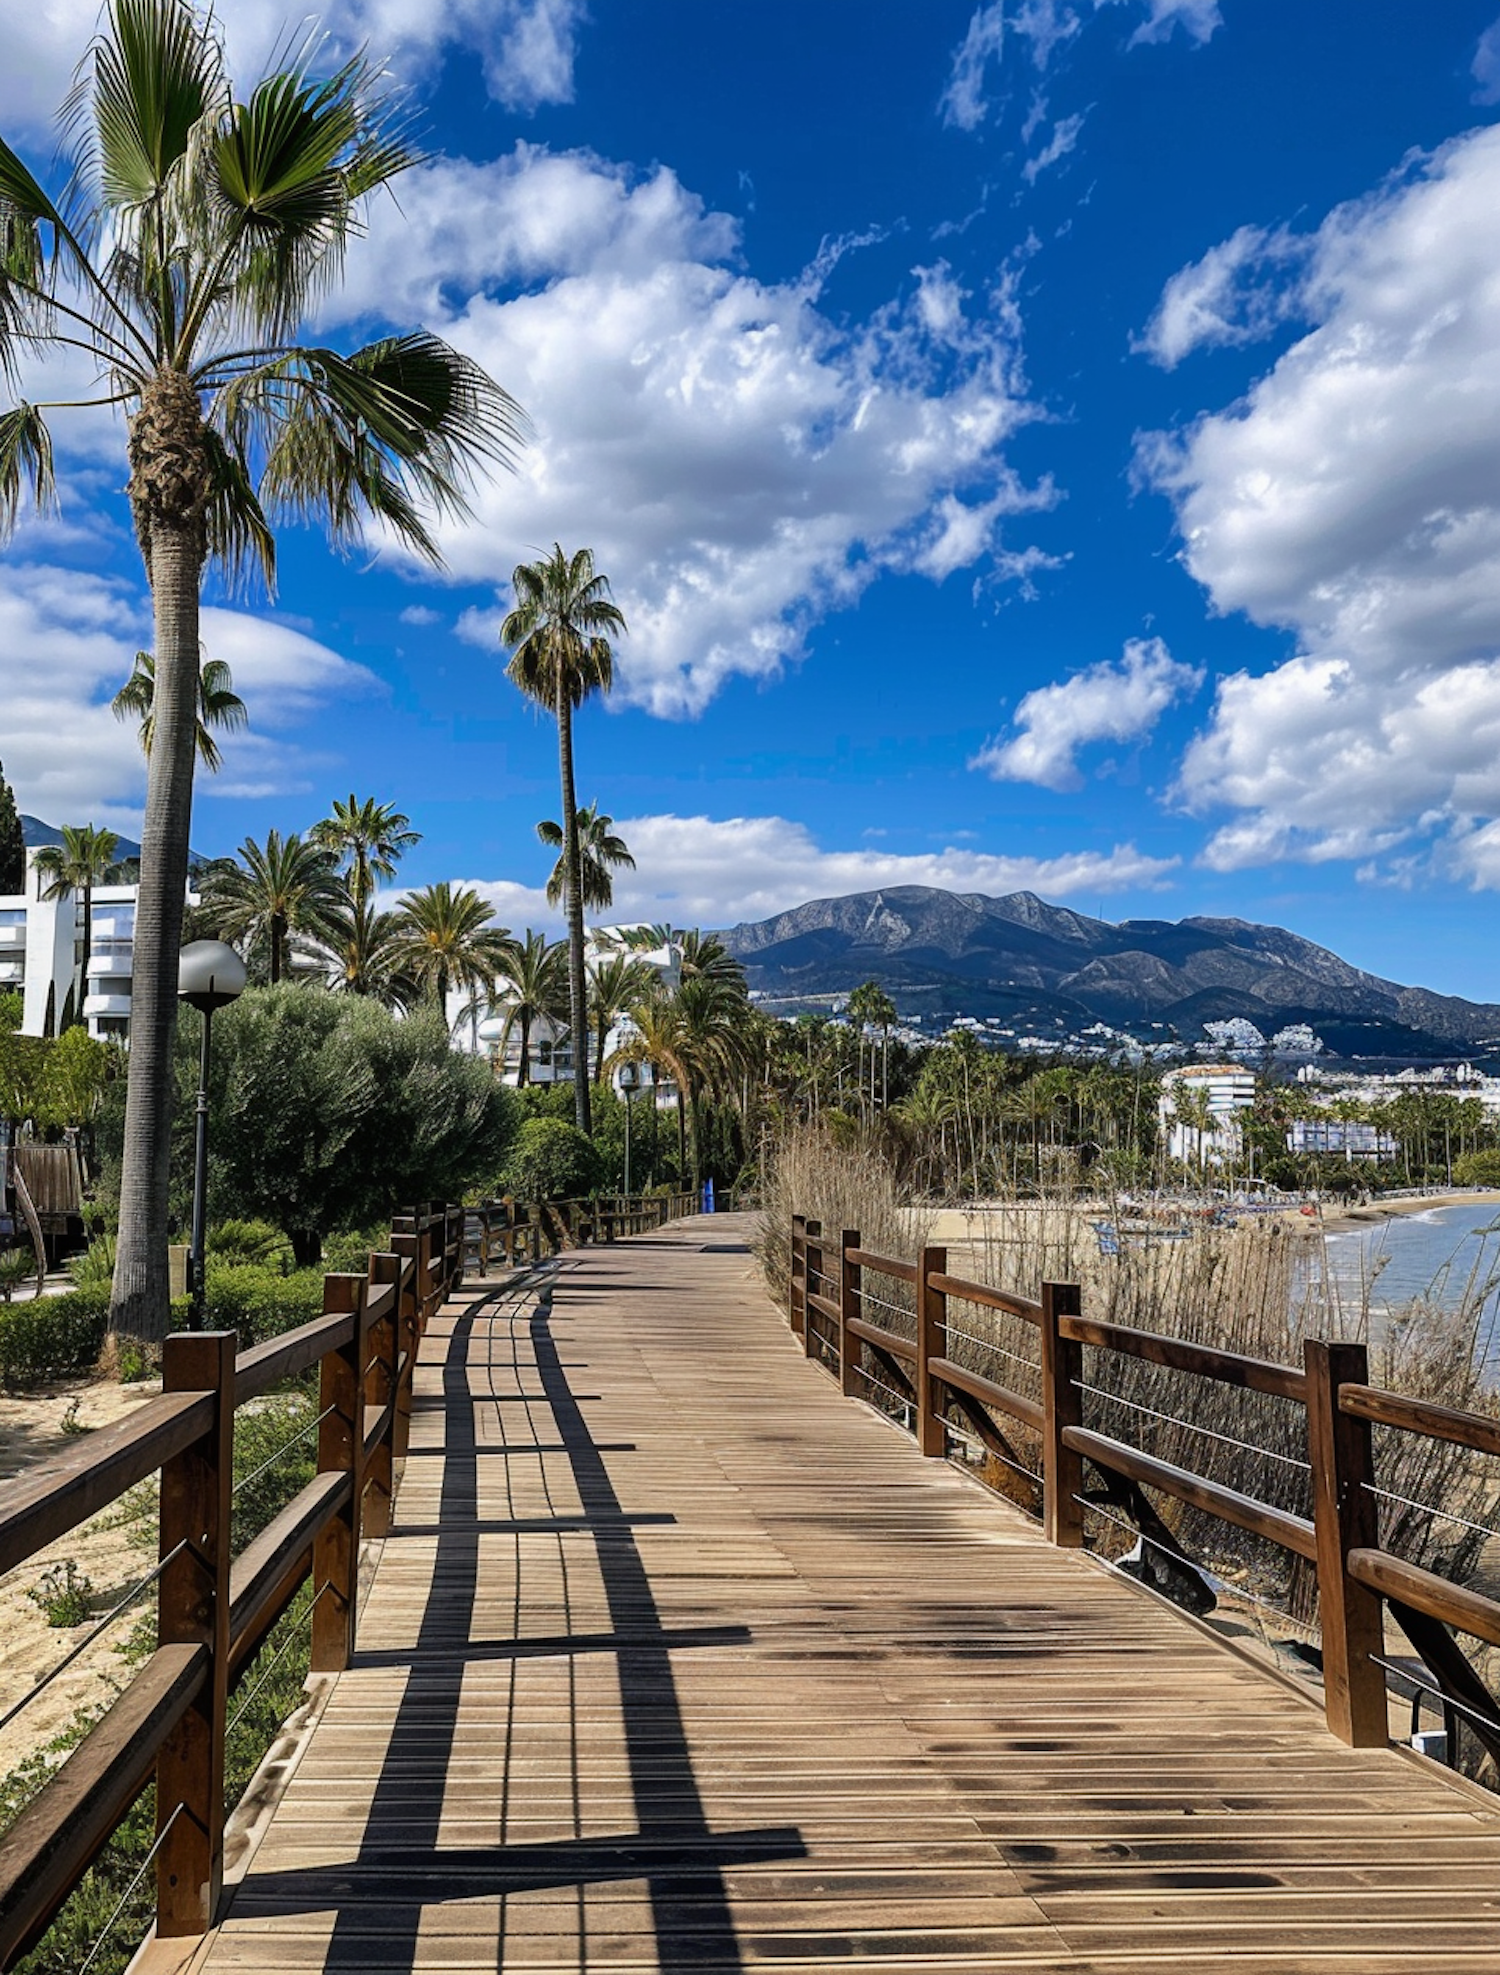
(12, 972)
(114, 926)
(106, 1004)
(110, 966)
(12, 937)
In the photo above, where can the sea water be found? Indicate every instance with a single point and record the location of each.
(1447, 1253)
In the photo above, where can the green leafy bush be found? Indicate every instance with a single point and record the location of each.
(236, 1241)
(349, 1253)
(17, 1267)
(552, 1160)
(1478, 1169)
(51, 1335)
(258, 1301)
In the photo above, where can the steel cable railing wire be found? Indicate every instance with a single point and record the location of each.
(1426, 1508)
(1189, 1426)
(1220, 1583)
(973, 1440)
(987, 1344)
(282, 1451)
(102, 1625)
(896, 1309)
(303, 1623)
(129, 1893)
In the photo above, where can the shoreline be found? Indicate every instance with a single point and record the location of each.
(1344, 1218)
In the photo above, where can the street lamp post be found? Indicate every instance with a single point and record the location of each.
(627, 1076)
(209, 975)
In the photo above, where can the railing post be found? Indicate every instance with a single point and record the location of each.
(1345, 1518)
(193, 1609)
(812, 1268)
(381, 1357)
(341, 1449)
(932, 1337)
(796, 1310)
(849, 1285)
(383, 1269)
(1062, 1407)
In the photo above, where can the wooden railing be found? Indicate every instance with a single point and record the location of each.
(509, 1232)
(829, 1295)
(215, 1609)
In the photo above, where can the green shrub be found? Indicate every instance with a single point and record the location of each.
(552, 1161)
(17, 1268)
(258, 1301)
(53, 1334)
(94, 1264)
(237, 1242)
(349, 1253)
(64, 1594)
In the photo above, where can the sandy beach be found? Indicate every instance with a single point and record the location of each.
(1389, 1210)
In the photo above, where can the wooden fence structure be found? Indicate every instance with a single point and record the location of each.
(511, 1232)
(829, 1302)
(214, 1609)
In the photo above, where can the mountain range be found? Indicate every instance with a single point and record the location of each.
(1034, 965)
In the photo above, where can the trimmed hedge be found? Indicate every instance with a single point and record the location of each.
(258, 1301)
(53, 1335)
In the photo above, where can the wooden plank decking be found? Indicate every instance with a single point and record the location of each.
(677, 1661)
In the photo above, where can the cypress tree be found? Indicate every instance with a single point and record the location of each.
(12, 843)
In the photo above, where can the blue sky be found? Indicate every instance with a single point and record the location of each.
(1051, 445)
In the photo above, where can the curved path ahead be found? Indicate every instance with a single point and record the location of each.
(677, 1661)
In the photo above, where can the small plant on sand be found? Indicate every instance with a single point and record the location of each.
(63, 1594)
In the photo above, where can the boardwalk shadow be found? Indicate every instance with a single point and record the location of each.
(401, 1870)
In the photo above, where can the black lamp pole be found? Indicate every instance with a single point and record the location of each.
(209, 975)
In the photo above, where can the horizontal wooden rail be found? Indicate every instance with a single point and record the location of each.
(1331, 1388)
(259, 1570)
(985, 1297)
(46, 1504)
(1441, 1599)
(1381, 1408)
(987, 1391)
(885, 1265)
(884, 1340)
(214, 1613)
(61, 1831)
(1293, 1533)
(1206, 1360)
(265, 1366)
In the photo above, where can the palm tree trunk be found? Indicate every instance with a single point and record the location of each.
(139, 1300)
(523, 1075)
(573, 893)
(278, 925)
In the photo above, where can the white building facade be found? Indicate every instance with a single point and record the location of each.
(41, 957)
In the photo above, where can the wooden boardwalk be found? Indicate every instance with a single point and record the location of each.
(677, 1661)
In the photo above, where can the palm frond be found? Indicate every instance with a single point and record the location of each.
(26, 467)
(157, 73)
(239, 535)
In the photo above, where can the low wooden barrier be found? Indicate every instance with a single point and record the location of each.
(215, 1609)
(830, 1295)
(510, 1233)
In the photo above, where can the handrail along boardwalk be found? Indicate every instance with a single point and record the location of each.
(213, 1609)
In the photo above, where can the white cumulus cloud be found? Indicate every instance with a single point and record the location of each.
(1353, 498)
(1486, 65)
(68, 641)
(740, 463)
(1105, 702)
(1237, 293)
(701, 870)
(525, 48)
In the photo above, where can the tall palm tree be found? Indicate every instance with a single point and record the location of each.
(600, 853)
(535, 988)
(446, 941)
(616, 984)
(83, 859)
(697, 1033)
(370, 838)
(283, 887)
(560, 631)
(219, 705)
(364, 952)
(195, 231)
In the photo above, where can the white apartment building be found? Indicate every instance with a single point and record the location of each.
(1199, 1109)
(41, 954)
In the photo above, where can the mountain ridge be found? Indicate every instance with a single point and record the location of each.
(967, 952)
